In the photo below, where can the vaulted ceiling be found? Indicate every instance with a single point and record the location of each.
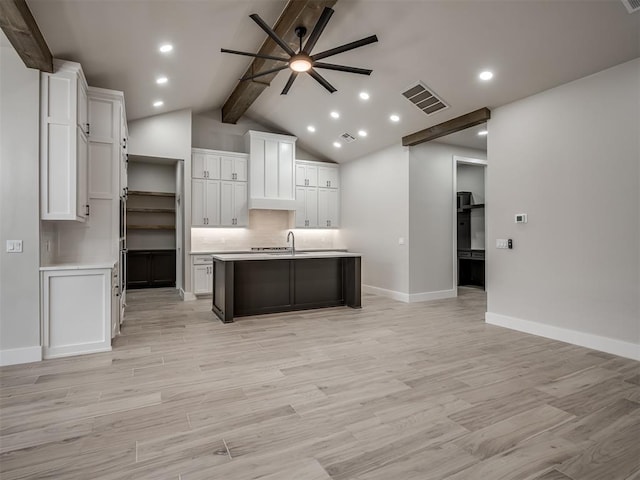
(529, 45)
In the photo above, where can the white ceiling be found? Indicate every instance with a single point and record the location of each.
(531, 45)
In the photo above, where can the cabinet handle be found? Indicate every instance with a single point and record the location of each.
(124, 143)
(87, 210)
(88, 128)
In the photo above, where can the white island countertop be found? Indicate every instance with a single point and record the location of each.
(231, 257)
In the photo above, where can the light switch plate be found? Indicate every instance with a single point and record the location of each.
(502, 243)
(401, 241)
(14, 246)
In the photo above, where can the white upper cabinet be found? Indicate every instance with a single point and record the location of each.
(271, 170)
(233, 168)
(328, 177)
(205, 203)
(306, 174)
(205, 164)
(328, 207)
(233, 204)
(306, 207)
(64, 143)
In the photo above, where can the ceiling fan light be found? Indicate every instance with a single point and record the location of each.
(300, 63)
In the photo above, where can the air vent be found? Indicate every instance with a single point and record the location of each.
(632, 5)
(347, 137)
(424, 98)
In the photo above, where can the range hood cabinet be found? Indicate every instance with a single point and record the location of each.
(271, 171)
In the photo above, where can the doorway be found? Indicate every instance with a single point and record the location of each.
(469, 207)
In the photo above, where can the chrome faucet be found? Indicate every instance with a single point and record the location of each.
(293, 245)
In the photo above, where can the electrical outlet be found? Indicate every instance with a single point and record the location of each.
(401, 241)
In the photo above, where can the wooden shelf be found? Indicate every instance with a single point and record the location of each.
(151, 227)
(151, 210)
(151, 194)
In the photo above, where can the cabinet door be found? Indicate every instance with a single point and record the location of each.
(82, 174)
(212, 196)
(328, 177)
(301, 176)
(271, 174)
(226, 204)
(198, 165)
(312, 176)
(285, 170)
(312, 207)
(83, 107)
(240, 169)
(328, 207)
(198, 203)
(226, 168)
(301, 207)
(212, 166)
(240, 199)
(201, 279)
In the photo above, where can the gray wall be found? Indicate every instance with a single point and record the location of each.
(19, 208)
(375, 214)
(431, 215)
(209, 132)
(569, 157)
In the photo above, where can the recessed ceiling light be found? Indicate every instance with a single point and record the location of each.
(166, 48)
(362, 133)
(337, 144)
(394, 118)
(483, 132)
(364, 95)
(486, 75)
(311, 128)
(158, 103)
(161, 80)
(334, 115)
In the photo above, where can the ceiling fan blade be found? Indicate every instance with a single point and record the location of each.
(266, 72)
(342, 68)
(255, 55)
(286, 88)
(274, 36)
(320, 79)
(344, 48)
(318, 29)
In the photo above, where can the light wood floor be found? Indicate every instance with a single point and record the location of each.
(390, 392)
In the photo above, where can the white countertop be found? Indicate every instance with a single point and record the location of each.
(230, 257)
(77, 266)
(225, 252)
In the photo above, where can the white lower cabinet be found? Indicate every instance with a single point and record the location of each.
(202, 276)
(76, 311)
(328, 207)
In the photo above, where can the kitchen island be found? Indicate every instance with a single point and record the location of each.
(258, 283)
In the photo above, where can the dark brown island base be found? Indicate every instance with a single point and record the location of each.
(258, 283)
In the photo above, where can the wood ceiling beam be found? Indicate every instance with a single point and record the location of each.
(296, 13)
(21, 29)
(452, 126)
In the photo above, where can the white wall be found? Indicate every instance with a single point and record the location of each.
(569, 157)
(19, 208)
(151, 177)
(431, 218)
(168, 135)
(375, 215)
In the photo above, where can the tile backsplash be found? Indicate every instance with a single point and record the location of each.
(267, 228)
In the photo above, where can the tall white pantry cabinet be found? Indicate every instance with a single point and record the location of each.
(83, 177)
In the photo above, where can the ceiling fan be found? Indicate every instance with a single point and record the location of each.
(303, 61)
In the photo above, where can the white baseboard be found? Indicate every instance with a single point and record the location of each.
(15, 356)
(575, 337)
(437, 295)
(71, 350)
(187, 296)
(402, 297)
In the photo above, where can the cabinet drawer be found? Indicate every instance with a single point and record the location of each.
(202, 260)
(477, 254)
(464, 254)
